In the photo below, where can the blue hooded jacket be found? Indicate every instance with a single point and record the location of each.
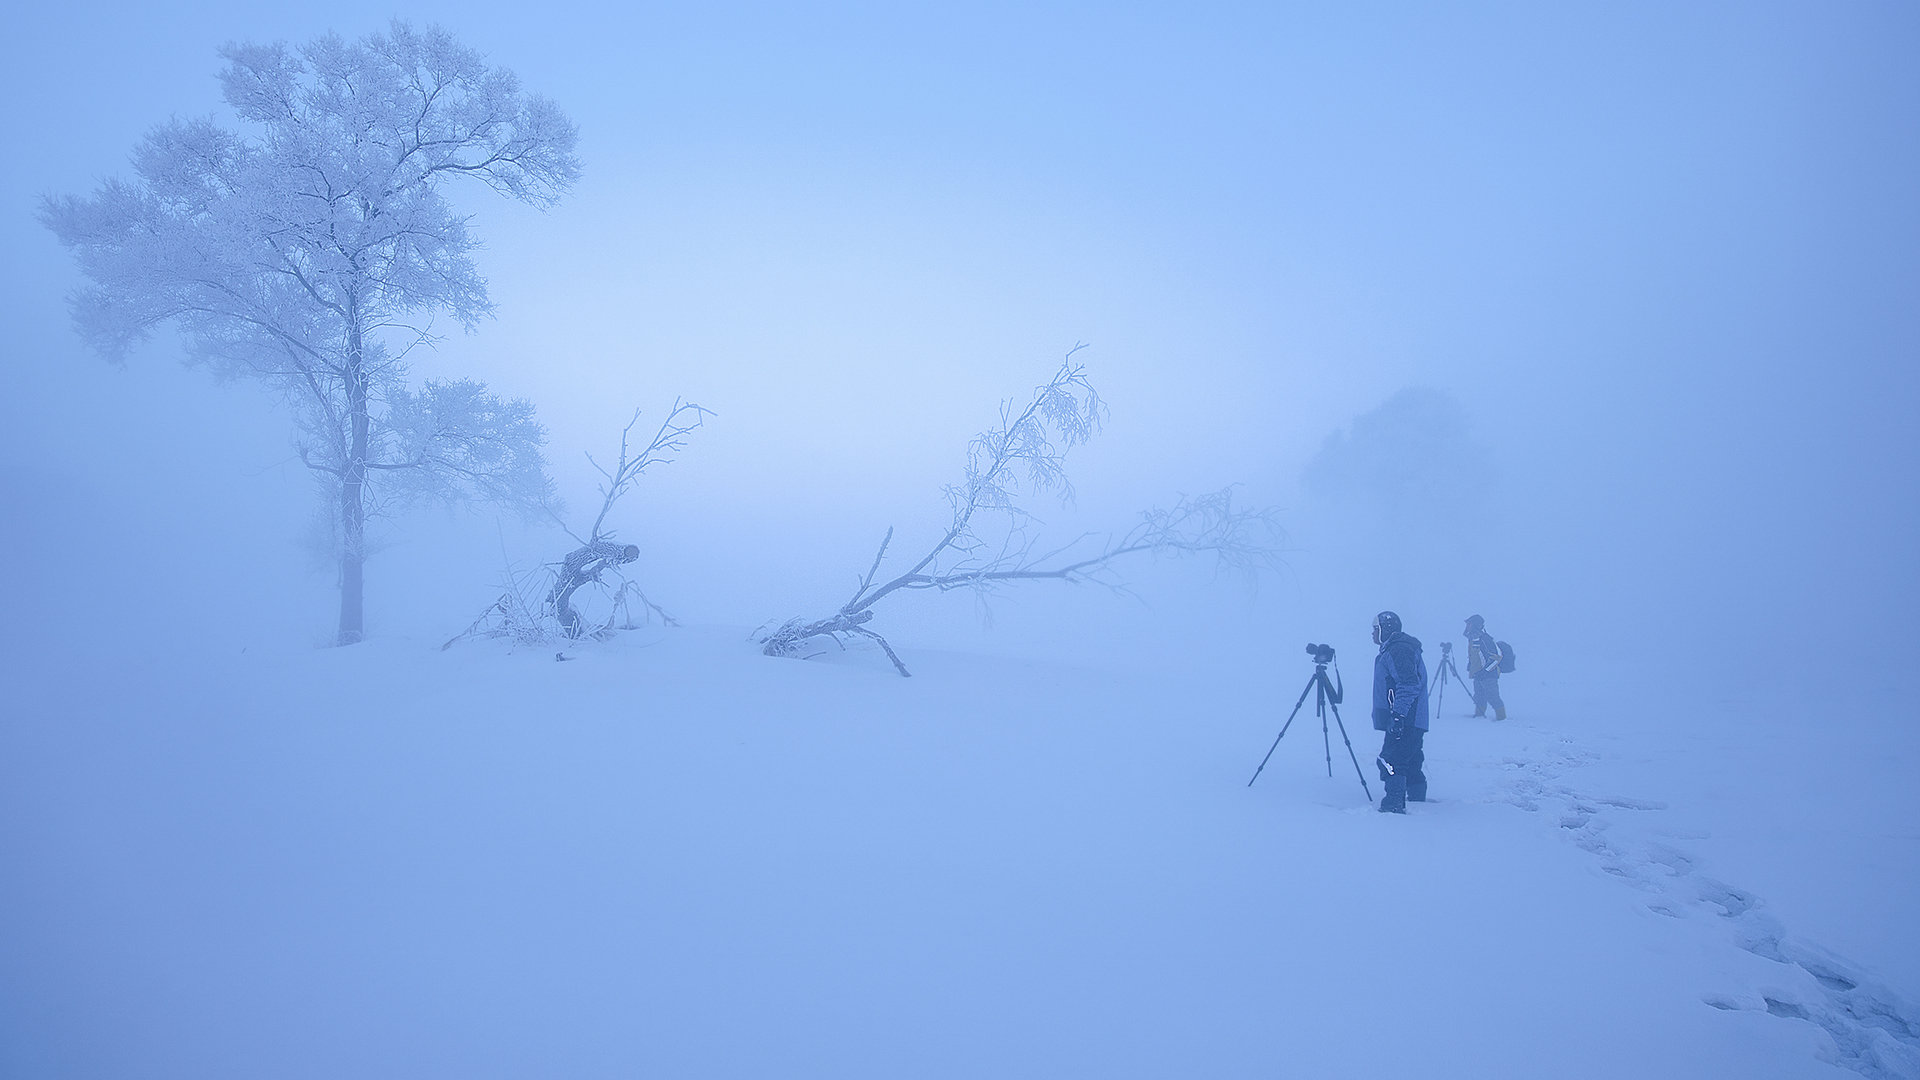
(1399, 683)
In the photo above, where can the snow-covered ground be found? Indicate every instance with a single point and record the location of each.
(669, 856)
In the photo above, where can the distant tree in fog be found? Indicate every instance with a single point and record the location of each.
(991, 541)
(1412, 453)
(314, 250)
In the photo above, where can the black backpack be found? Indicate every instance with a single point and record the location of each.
(1506, 657)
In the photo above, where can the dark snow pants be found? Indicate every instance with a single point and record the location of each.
(1486, 691)
(1401, 759)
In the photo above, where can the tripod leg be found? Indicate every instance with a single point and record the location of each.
(1283, 729)
(1351, 755)
(1320, 707)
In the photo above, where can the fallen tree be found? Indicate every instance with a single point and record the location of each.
(1025, 454)
(538, 608)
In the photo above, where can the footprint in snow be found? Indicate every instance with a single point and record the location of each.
(1873, 1032)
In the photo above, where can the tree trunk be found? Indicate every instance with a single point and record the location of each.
(353, 558)
(352, 564)
(353, 507)
(582, 566)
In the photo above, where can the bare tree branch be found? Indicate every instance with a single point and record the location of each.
(671, 439)
(1025, 453)
(597, 557)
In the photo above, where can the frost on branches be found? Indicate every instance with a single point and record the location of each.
(992, 541)
(314, 248)
(538, 608)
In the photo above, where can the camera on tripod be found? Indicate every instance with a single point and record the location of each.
(1328, 694)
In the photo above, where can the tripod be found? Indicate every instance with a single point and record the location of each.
(1327, 697)
(1440, 673)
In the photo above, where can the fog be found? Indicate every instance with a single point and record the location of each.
(1599, 322)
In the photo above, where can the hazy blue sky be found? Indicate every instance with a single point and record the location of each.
(1665, 258)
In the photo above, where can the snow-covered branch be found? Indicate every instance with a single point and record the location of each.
(668, 441)
(1025, 453)
(597, 557)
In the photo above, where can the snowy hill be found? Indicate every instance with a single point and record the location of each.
(670, 856)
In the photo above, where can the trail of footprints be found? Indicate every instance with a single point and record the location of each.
(1874, 1033)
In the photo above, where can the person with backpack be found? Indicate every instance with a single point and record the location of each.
(1400, 710)
(1485, 661)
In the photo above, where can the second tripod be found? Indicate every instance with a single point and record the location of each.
(1327, 697)
(1440, 677)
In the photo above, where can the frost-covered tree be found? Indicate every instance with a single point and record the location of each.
(992, 541)
(315, 247)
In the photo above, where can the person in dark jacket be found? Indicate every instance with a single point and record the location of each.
(1483, 667)
(1400, 710)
